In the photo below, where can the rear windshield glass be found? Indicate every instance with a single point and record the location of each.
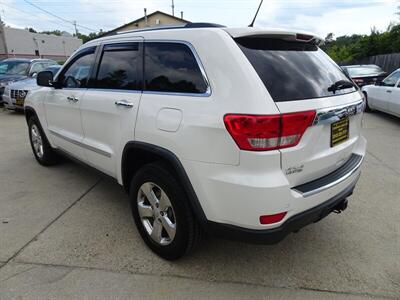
(364, 71)
(294, 70)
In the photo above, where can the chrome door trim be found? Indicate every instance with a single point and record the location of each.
(331, 115)
(124, 103)
(75, 142)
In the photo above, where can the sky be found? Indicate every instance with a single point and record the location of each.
(339, 17)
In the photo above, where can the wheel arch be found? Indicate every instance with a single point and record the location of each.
(29, 112)
(136, 154)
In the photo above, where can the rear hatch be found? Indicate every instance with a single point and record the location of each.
(300, 77)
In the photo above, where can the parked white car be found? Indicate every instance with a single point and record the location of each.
(245, 133)
(384, 96)
(15, 93)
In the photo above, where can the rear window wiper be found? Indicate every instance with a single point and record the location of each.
(340, 85)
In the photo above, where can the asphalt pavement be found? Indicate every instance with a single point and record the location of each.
(67, 232)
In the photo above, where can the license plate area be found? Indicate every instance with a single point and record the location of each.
(19, 101)
(340, 131)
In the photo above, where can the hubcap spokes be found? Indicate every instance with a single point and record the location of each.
(156, 213)
(37, 141)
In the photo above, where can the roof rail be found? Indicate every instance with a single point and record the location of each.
(187, 26)
(203, 25)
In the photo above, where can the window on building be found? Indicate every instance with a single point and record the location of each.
(77, 73)
(120, 67)
(37, 53)
(172, 67)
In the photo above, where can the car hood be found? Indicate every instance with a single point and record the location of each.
(11, 78)
(26, 84)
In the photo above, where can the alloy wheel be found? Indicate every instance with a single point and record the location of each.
(37, 141)
(156, 213)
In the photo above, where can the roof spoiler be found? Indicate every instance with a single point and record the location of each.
(277, 34)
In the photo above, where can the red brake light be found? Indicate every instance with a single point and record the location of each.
(270, 219)
(358, 80)
(270, 132)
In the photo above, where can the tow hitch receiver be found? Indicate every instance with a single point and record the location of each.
(340, 207)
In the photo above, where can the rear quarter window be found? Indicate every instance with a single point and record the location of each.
(172, 67)
(293, 70)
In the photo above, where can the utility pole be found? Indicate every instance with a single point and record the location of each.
(76, 30)
(173, 8)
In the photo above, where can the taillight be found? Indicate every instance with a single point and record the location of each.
(269, 132)
(358, 80)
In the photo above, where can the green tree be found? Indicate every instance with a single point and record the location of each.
(356, 47)
(91, 36)
(54, 32)
(30, 29)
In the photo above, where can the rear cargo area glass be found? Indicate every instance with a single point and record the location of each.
(293, 70)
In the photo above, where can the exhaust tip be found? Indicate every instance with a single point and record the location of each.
(340, 207)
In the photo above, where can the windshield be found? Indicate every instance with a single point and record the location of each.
(294, 70)
(364, 71)
(14, 68)
(53, 69)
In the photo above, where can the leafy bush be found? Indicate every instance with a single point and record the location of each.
(355, 47)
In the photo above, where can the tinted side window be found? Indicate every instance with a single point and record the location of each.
(77, 74)
(120, 67)
(172, 67)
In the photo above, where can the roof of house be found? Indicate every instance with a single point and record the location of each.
(142, 18)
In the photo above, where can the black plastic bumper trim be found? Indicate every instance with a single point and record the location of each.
(327, 181)
(275, 235)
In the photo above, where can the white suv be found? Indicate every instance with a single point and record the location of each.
(244, 133)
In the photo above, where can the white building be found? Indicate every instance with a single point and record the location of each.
(22, 43)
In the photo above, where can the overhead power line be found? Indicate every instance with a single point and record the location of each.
(60, 18)
(30, 14)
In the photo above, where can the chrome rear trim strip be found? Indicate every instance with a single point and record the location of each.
(332, 115)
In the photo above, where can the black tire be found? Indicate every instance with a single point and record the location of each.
(188, 232)
(367, 108)
(49, 157)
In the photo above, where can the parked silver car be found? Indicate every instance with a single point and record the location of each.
(384, 96)
(17, 69)
(15, 93)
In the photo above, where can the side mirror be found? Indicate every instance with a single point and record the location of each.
(44, 78)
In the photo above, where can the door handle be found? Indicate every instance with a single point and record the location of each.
(72, 99)
(388, 91)
(124, 103)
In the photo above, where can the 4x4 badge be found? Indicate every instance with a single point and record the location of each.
(293, 170)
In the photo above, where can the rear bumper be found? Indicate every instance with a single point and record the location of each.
(294, 223)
